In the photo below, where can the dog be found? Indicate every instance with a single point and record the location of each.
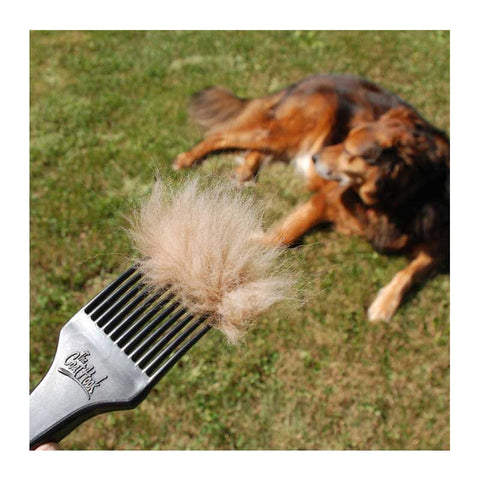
(292, 124)
(376, 167)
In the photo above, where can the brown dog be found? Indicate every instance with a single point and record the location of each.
(378, 169)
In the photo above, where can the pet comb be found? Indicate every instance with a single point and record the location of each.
(111, 354)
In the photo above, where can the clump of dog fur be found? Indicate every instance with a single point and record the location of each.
(199, 241)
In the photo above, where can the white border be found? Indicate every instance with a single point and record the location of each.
(460, 18)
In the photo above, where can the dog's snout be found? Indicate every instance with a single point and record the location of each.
(322, 168)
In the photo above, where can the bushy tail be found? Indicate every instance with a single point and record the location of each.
(213, 107)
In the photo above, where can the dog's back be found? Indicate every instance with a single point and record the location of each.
(346, 98)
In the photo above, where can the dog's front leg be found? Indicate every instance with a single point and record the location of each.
(389, 297)
(302, 219)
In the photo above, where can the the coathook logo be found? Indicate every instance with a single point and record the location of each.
(77, 368)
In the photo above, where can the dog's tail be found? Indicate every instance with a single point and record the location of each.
(214, 106)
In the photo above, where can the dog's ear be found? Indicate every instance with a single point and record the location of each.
(399, 126)
(414, 154)
(362, 141)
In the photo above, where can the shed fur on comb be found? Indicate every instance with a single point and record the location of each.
(198, 240)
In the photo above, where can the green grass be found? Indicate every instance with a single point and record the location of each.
(108, 109)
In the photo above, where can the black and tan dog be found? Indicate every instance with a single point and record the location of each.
(377, 168)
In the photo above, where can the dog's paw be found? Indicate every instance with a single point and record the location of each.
(385, 305)
(264, 239)
(184, 160)
(244, 175)
(260, 237)
(241, 185)
(269, 239)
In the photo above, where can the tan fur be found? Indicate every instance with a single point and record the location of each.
(198, 241)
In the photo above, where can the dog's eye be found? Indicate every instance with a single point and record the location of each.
(370, 160)
(371, 154)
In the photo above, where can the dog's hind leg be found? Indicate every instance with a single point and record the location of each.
(295, 225)
(389, 297)
(260, 140)
(250, 166)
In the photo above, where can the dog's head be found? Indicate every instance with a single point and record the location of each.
(389, 160)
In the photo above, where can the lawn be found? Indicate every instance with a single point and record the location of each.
(108, 112)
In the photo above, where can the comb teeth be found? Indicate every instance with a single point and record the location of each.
(151, 328)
